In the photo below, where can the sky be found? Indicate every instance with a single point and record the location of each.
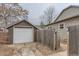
(37, 9)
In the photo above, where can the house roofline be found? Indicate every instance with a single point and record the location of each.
(61, 13)
(70, 18)
(66, 9)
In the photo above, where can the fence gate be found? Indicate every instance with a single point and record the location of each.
(73, 47)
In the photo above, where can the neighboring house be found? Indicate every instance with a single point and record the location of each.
(22, 32)
(68, 17)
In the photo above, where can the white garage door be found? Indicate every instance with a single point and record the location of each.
(22, 35)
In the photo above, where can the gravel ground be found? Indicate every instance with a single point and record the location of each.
(31, 49)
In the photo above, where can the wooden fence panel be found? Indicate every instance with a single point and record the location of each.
(47, 37)
(4, 37)
(73, 41)
(52, 40)
(57, 44)
(77, 31)
(42, 36)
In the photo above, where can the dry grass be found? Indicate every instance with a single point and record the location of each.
(31, 49)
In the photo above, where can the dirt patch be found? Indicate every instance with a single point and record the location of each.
(62, 51)
(6, 51)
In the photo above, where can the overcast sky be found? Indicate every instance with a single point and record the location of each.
(36, 9)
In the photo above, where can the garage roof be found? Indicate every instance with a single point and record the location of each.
(20, 22)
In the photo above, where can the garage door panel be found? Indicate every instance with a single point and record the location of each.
(22, 35)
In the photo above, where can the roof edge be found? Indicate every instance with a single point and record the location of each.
(22, 21)
(62, 12)
(62, 20)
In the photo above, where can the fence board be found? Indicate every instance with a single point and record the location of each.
(73, 41)
(57, 44)
(77, 31)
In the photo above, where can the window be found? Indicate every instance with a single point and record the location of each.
(50, 27)
(61, 26)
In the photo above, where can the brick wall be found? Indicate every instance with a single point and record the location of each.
(4, 37)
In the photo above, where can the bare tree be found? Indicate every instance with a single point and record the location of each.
(48, 15)
(9, 12)
(42, 21)
(42, 24)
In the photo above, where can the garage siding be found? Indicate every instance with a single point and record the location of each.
(10, 35)
(35, 35)
(22, 24)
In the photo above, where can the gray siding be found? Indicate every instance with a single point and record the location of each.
(69, 12)
(10, 31)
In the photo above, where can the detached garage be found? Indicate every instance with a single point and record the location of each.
(22, 32)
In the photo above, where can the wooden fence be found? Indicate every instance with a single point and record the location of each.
(49, 38)
(4, 37)
(73, 47)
